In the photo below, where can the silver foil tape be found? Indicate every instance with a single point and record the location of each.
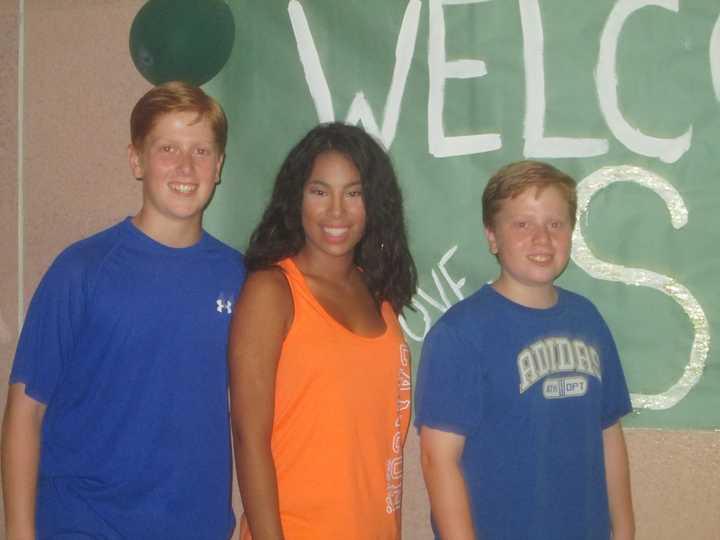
(584, 258)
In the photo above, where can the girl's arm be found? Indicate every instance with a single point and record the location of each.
(20, 458)
(261, 318)
(440, 458)
(617, 474)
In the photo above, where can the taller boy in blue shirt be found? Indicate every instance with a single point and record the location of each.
(116, 424)
(520, 389)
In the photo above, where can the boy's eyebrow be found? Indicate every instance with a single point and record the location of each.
(167, 138)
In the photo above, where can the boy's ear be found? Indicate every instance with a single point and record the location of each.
(492, 242)
(218, 168)
(135, 162)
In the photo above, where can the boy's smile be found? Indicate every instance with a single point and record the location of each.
(531, 237)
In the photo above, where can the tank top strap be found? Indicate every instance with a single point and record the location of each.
(388, 314)
(298, 286)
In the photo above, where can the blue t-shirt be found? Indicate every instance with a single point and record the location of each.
(531, 390)
(125, 342)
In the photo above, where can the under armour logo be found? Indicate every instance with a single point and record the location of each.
(223, 305)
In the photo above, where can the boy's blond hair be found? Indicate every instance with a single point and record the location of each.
(514, 178)
(171, 97)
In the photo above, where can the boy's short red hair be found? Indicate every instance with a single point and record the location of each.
(176, 96)
(513, 179)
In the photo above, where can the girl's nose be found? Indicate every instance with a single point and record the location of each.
(337, 205)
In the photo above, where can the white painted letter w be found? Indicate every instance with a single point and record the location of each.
(360, 108)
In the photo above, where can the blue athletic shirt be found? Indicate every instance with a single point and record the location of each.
(531, 390)
(125, 342)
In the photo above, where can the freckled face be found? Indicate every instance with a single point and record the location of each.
(333, 211)
(179, 165)
(531, 236)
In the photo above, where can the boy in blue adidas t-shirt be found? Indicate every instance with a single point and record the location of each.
(116, 425)
(520, 389)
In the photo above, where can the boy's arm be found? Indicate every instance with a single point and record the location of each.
(617, 474)
(440, 458)
(20, 458)
(260, 322)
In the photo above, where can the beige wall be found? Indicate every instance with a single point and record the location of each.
(79, 88)
(8, 189)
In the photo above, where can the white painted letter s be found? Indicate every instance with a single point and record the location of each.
(583, 257)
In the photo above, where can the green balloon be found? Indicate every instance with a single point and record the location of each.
(188, 40)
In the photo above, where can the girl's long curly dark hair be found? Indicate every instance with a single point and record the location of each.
(382, 253)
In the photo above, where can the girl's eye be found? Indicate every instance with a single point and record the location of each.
(521, 224)
(166, 148)
(356, 193)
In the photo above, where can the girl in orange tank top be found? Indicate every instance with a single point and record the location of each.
(319, 371)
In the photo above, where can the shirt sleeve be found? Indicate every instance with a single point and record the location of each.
(48, 335)
(616, 398)
(448, 396)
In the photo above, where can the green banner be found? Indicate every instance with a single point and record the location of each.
(623, 95)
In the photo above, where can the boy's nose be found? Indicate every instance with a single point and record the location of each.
(542, 235)
(185, 164)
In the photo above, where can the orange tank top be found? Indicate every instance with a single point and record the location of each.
(342, 409)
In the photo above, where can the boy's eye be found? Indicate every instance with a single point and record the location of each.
(521, 224)
(202, 151)
(166, 148)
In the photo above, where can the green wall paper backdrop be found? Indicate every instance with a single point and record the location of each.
(624, 95)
